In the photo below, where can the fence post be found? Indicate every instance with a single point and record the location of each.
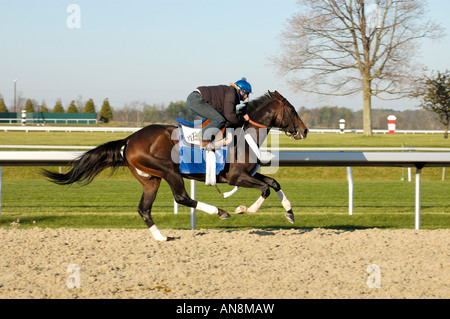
(193, 211)
(342, 125)
(350, 190)
(417, 199)
(391, 123)
(0, 191)
(24, 117)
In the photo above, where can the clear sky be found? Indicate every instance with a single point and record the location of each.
(158, 51)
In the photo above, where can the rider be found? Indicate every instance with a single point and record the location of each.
(218, 103)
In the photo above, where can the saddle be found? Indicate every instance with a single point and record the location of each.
(191, 133)
(193, 158)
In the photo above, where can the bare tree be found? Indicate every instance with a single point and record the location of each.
(131, 114)
(80, 103)
(20, 100)
(343, 47)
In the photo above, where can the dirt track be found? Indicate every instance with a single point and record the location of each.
(317, 263)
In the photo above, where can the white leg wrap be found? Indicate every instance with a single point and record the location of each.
(228, 194)
(207, 208)
(256, 205)
(157, 234)
(284, 201)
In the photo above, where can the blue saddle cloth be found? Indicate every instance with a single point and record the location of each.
(197, 123)
(192, 158)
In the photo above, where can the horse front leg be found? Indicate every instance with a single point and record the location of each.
(284, 200)
(287, 206)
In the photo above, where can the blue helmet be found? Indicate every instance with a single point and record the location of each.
(244, 85)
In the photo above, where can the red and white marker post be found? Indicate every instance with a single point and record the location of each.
(391, 123)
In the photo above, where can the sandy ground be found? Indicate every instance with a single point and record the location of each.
(282, 264)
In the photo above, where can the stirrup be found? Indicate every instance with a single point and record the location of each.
(212, 145)
(205, 144)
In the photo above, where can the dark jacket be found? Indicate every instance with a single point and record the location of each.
(224, 99)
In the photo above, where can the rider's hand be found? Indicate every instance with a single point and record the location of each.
(246, 117)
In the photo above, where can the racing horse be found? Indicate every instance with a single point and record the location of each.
(149, 154)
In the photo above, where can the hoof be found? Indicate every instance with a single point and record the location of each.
(223, 214)
(290, 217)
(241, 210)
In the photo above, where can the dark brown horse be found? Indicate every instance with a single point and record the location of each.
(149, 155)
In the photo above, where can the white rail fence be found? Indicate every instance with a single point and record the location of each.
(417, 160)
(6, 128)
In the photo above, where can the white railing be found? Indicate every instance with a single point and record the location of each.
(47, 121)
(26, 128)
(359, 131)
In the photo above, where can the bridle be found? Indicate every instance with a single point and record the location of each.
(294, 132)
(291, 133)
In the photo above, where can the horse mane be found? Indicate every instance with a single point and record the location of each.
(253, 105)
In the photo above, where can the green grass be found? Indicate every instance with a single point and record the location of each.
(313, 140)
(113, 204)
(59, 138)
(318, 194)
(359, 140)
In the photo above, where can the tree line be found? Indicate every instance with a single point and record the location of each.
(329, 117)
(75, 106)
(134, 113)
(140, 113)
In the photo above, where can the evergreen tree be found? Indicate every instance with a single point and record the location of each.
(436, 97)
(58, 108)
(72, 107)
(89, 107)
(43, 108)
(29, 107)
(3, 107)
(106, 111)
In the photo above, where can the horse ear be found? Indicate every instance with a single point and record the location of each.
(278, 95)
(271, 94)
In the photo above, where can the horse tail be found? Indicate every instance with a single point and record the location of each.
(90, 164)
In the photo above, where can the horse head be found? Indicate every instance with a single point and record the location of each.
(287, 118)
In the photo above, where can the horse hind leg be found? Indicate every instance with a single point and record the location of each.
(150, 186)
(181, 196)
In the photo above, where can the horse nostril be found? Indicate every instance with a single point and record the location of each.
(306, 132)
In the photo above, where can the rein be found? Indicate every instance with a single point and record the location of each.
(256, 124)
